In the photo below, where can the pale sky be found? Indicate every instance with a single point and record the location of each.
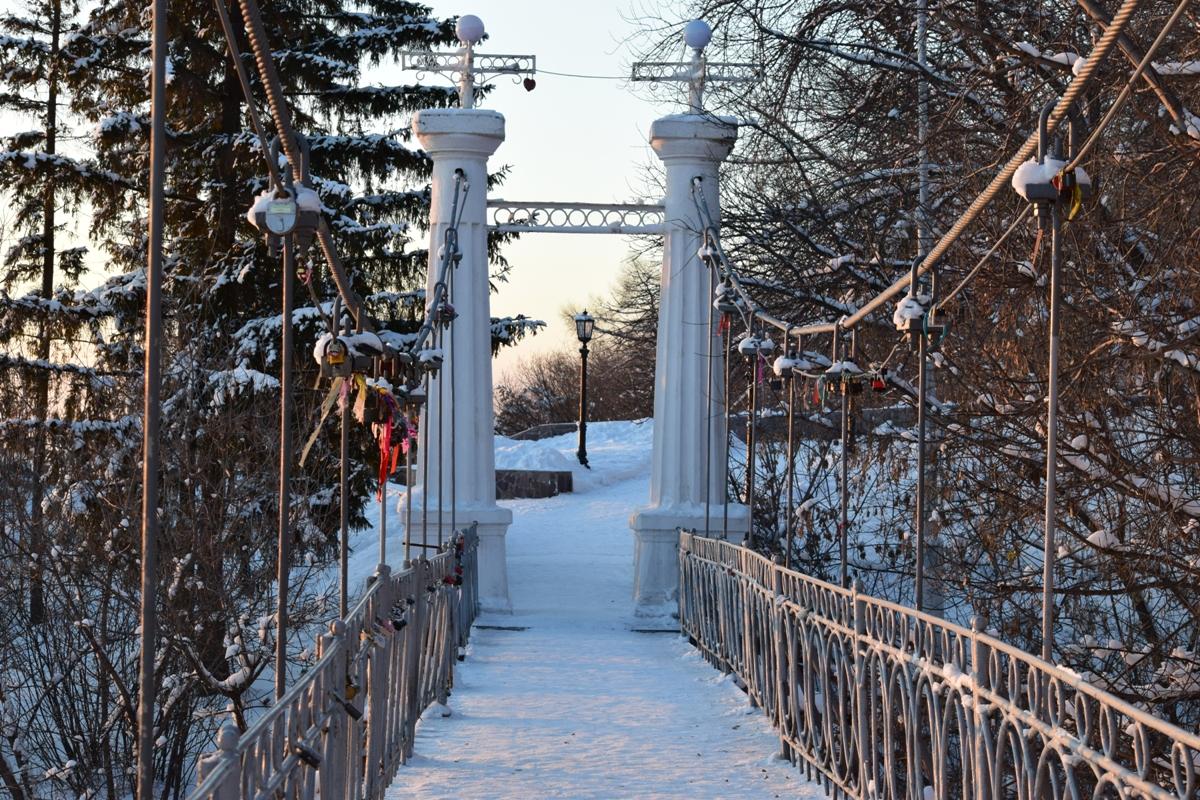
(570, 140)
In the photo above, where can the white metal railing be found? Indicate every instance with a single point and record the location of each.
(347, 724)
(878, 700)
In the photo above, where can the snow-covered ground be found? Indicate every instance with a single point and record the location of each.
(576, 705)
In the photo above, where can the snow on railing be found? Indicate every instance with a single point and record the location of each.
(347, 725)
(878, 700)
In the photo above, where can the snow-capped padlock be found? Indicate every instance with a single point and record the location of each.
(335, 352)
(878, 384)
(416, 396)
(749, 346)
(402, 362)
(848, 376)
(445, 314)
(725, 299)
(430, 359)
(909, 313)
(785, 365)
(361, 350)
(308, 217)
(333, 356)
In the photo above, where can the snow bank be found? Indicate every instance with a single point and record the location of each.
(616, 451)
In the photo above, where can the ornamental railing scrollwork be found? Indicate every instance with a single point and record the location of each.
(877, 700)
(537, 217)
(483, 66)
(348, 724)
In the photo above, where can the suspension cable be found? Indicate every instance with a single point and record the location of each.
(256, 34)
(438, 337)
(410, 441)
(424, 425)
(752, 437)
(979, 264)
(344, 487)
(791, 461)
(727, 341)
(235, 55)
(708, 408)
(844, 488)
(452, 356)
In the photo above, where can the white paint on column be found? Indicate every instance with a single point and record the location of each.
(690, 146)
(463, 139)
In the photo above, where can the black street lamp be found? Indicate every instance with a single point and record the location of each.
(585, 325)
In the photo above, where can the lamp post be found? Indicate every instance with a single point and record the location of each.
(585, 325)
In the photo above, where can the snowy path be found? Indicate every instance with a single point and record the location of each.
(577, 705)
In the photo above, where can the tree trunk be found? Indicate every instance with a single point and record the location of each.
(37, 601)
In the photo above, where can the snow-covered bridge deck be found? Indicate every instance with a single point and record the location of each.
(577, 705)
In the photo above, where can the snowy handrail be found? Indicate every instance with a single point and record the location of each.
(348, 724)
(881, 701)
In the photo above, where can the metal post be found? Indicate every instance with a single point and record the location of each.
(920, 511)
(424, 424)
(583, 414)
(284, 558)
(751, 441)
(1048, 551)
(383, 486)
(344, 522)
(440, 337)
(452, 354)
(409, 441)
(791, 466)
(708, 410)
(727, 340)
(152, 405)
(844, 498)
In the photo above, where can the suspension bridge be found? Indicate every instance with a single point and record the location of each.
(853, 695)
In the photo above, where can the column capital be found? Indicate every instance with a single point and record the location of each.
(693, 137)
(464, 132)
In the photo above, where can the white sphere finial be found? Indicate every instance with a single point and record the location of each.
(697, 34)
(469, 29)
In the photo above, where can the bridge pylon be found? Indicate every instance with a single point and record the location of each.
(689, 423)
(463, 465)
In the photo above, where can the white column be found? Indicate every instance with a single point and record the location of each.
(463, 139)
(690, 146)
